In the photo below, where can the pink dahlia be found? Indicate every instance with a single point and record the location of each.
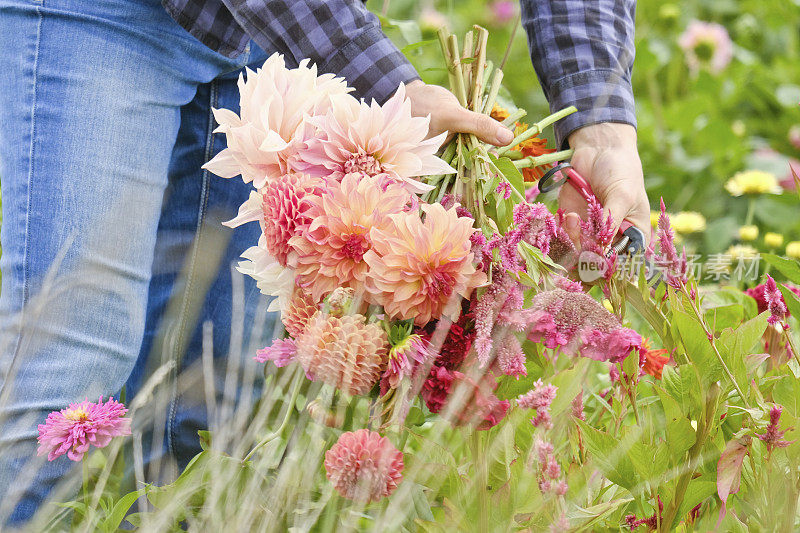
(706, 44)
(578, 323)
(345, 352)
(281, 208)
(83, 424)
(374, 140)
(301, 307)
(330, 251)
(273, 123)
(363, 466)
(421, 269)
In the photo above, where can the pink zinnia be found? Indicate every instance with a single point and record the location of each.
(503, 11)
(364, 466)
(706, 43)
(83, 424)
(330, 250)
(579, 324)
(374, 140)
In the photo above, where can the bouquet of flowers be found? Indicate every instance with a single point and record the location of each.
(406, 267)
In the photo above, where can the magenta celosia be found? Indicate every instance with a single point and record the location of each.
(773, 437)
(577, 406)
(579, 324)
(548, 469)
(774, 300)
(510, 357)
(674, 268)
(757, 293)
(363, 466)
(562, 249)
(504, 190)
(540, 397)
(502, 304)
(281, 352)
(597, 231)
(73, 430)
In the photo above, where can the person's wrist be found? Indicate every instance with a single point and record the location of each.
(604, 135)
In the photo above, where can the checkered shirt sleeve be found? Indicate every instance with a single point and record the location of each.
(583, 53)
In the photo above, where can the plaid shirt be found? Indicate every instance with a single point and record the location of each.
(583, 55)
(582, 51)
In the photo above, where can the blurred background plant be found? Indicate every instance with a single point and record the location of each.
(717, 86)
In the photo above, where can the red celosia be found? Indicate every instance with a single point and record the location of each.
(364, 466)
(477, 404)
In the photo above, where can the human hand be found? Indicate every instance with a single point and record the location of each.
(448, 115)
(606, 155)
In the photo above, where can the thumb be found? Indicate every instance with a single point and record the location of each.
(483, 126)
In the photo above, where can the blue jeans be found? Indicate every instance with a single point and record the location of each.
(113, 256)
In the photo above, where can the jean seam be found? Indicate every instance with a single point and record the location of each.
(26, 241)
(205, 177)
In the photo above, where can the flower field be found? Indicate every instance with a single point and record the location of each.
(450, 360)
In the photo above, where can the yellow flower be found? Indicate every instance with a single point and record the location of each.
(748, 233)
(773, 240)
(654, 218)
(688, 222)
(607, 305)
(742, 251)
(793, 249)
(753, 182)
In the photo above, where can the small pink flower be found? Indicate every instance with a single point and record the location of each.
(281, 352)
(405, 356)
(706, 44)
(539, 398)
(773, 437)
(503, 11)
(83, 424)
(674, 267)
(364, 466)
(504, 190)
(577, 407)
(774, 300)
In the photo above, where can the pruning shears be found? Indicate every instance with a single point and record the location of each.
(630, 239)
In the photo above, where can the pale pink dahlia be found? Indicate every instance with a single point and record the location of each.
(330, 250)
(281, 207)
(421, 270)
(83, 424)
(364, 466)
(579, 324)
(374, 140)
(706, 44)
(276, 103)
(344, 352)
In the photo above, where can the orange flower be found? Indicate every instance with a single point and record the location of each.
(534, 146)
(654, 360)
(499, 113)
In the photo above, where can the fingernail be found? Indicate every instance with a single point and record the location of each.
(504, 136)
(572, 224)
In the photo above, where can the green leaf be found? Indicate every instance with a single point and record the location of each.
(787, 267)
(588, 518)
(610, 456)
(680, 434)
(698, 490)
(787, 393)
(421, 504)
(511, 173)
(698, 349)
(121, 508)
(792, 301)
(682, 385)
(735, 344)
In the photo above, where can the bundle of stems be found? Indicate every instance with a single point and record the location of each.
(476, 83)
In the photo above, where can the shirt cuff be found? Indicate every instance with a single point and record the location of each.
(371, 64)
(599, 95)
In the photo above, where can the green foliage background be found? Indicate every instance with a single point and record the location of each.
(695, 132)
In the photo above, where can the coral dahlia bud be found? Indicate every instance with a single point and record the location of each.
(345, 352)
(364, 466)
